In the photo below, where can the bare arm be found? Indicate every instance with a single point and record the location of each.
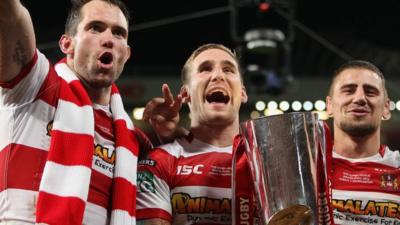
(17, 39)
(153, 222)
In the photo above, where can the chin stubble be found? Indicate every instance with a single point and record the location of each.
(358, 130)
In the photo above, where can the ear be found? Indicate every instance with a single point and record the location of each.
(66, 44)
(329, 106)
(244, 95)
(185, 94)
(386, 111)
(128, 53)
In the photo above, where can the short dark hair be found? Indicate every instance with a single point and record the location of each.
(358, 64)
(186, 68)
(75, 15)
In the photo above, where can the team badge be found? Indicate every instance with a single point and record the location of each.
(389, 182)
(145, 182)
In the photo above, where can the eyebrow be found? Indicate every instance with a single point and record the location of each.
(224, 62)
(113, 27)
(368, 86)
(229, 63)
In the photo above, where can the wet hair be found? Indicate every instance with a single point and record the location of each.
(75, 13)
(188, 65)
(358, 64)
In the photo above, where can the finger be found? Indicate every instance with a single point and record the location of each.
(177, 105)
(168, 97)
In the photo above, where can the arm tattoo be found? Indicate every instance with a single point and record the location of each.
(20, 54)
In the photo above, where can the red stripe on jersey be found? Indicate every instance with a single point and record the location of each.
(32, 161)
(22, 74)
(23, 165)
(100, 189)
(361, 176)
(166, 165)
(76, 147)
(58, 205)
(149, 213)
(144, 142)
(125, 191)
(104, 125)
(199, 170)
(49, 90)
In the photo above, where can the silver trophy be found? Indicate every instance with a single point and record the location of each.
(282, 154)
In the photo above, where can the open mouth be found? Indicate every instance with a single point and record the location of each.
(106, 58)
(217, 97)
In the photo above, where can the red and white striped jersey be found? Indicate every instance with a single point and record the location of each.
(367, 190)
(27, 108)
(186, 182)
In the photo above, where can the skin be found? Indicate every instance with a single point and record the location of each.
(103, 30)
(213, 123)
(358, 105)
(17, 39)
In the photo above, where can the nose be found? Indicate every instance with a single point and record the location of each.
(108, 39)
(218, 74)
(360, 97)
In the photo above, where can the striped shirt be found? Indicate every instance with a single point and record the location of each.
(27, 107)
(186, 182)
(367, 190)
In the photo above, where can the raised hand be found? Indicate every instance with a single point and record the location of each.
(162, 113)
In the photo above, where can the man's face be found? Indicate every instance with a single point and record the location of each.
(358, 102)
(215, 89)
(100, 47)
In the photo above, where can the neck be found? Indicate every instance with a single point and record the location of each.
(98, 95)
(217, 135)
(356, 147)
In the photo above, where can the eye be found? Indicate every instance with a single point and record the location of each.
(347, 90)
(95, 28)
(205, 68)
(228, 70)
(371, 92)
(119, 33)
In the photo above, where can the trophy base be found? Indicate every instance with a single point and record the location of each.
(293, 215)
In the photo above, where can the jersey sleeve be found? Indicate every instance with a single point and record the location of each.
(25, 87)
(153, 183)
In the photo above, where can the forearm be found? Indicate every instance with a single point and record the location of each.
(17, 39)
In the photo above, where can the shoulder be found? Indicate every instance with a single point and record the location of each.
(393, 157)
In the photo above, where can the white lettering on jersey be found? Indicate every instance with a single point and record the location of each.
(189, 169)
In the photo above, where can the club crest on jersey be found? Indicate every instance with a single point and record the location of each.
(145, 182)
(49, 127)
(389, 182)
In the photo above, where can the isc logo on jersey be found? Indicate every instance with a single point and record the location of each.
(189, 169)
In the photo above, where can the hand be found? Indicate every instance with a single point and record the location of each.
(162, 113)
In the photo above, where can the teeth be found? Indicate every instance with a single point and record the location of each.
(217, 96)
